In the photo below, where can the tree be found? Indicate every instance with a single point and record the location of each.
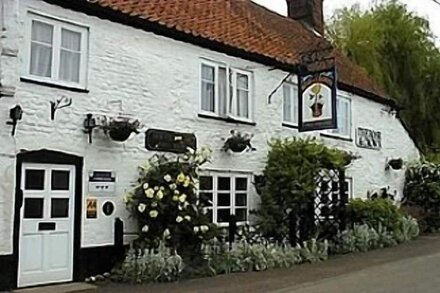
(397, 49)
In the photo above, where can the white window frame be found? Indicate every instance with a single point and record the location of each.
(293, 99)
(58, 24)
(336, 132)
(214, 207)
(231, 109)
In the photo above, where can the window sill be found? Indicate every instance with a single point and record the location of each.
(288, 125)
(229, 120)
(335, 136)
(53, 84)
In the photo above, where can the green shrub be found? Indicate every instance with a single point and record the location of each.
(290, 180)
(375, 213)
(408, 229)
(149, 266)
(422, 194)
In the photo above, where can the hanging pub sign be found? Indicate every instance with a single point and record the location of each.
(368, 139)
(317, 99)
(169, 141)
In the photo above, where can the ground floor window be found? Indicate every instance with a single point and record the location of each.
(227, 194)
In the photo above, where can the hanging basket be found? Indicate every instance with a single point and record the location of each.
(121, 130)
(238, 142)
(237, 147)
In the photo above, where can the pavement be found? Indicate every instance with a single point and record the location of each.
(408, 268)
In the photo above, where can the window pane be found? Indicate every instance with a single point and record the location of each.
(34, 180)
(41, 60)
(205, 183)
(206, 198)
(33, 208)
(208, 73)
(295, 105)
(208, 98)
(241, 215)
(223, 199)
(241, 199)
(287, 104)
(60, 180)
(242, 103)
(224, 183)
(60, 208)
(71, 40)
(223, 215)
(69, 66)
(42, 32)
(241, 183)
(223, 90)
(242, 81)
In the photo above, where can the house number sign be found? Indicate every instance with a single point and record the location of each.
(169, 141)
(369, 139)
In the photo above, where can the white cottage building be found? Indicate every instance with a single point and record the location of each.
(190, 66)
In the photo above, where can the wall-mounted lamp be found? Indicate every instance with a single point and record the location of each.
(15, 114)
(59, 104)
(89, 125)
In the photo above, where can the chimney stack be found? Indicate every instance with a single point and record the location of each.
(309, 12)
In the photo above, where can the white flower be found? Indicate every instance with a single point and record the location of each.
(145, 228)
(190, 150)
(145, 186)
(181, 177)
(153, 213)
(127, 198)
(167, 178)
(175, 198)
(204, 211)
(182, 198)
(156, 188)
(162, 188)
(176, 192)
(149, 193)
(185, 204)
(166, 233)
(154, 204)
(179, 219)
(188, 218)
(159, 194)
(196, 229)
(141, 207)
(187, 181)
(173, 186)
(204, 228)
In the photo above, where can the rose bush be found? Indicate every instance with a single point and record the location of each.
(165, 202)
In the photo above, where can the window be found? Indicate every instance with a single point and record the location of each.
(344, 117)
(57, 51)
(226, 194)
(226, 92)
(290, 104)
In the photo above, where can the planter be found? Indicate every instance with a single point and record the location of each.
(120, 130)
(120, 134)
(238, 147)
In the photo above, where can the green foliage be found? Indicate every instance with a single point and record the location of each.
(422, 194)
(375, 213)
(166, 205)
(408, 230)
(290, 180)
(313, 251)
(149, 266)
(397, 48)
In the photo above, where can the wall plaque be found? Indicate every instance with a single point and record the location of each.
(369, 139)
(169, 141)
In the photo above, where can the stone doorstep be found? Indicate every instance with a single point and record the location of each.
(61, 288)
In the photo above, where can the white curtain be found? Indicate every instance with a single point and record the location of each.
(223, 91)
(70, 55)
(242, 95)
(41, 49)
(208, 88)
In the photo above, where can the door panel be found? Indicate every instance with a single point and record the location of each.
(47, 222)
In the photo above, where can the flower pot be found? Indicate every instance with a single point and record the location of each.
(317, 110)
(237, 147)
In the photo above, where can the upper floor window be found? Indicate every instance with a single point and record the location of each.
(227, 195)
(57, 51)
(290, 104)
(344, 117)
(226, 92)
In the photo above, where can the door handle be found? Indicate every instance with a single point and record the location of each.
(46, 226)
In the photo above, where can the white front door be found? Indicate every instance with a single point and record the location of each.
(46, 226)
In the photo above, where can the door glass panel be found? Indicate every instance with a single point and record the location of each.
(241, 215)
(241, 199)
(34, 180)
(60, 208)
(224, 183)
(241, 183)
(223, 200)
(206, 198)
(33, 208)
(223, 215)
(60, 180)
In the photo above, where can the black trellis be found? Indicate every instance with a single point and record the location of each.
(326, 213)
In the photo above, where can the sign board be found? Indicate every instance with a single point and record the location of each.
(368, 139)
(169, 141)
(317, 100)
(92, 208)
(102, 182)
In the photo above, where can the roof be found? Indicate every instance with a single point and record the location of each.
(239, 27)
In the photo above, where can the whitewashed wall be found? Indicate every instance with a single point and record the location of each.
(157, 80)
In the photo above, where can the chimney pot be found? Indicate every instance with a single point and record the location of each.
(309, 12)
